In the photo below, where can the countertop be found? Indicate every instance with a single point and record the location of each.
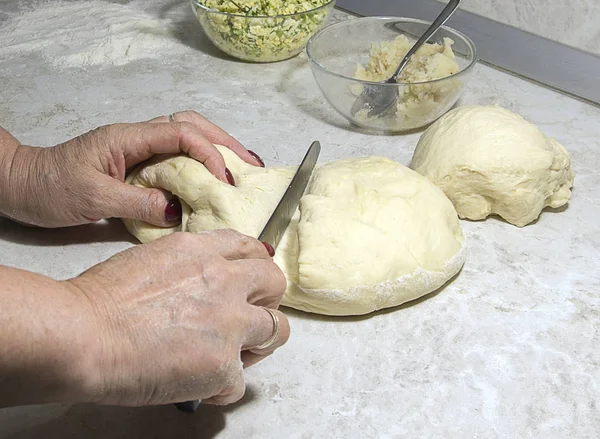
(508, 349)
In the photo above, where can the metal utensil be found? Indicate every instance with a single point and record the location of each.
(188, 406)
(279, 221)
(377, 99)
(283, 213)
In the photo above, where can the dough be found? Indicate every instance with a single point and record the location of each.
(488, 160)
(417, 102)
(369, 233)
(207, 203)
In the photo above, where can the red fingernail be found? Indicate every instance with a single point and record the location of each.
(229, 177)
(269, 248)
(257, 158)
(173, 210)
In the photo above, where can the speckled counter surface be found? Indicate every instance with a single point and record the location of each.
(510, 348)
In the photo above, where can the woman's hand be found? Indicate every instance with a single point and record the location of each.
(174, 316)
(81, 181)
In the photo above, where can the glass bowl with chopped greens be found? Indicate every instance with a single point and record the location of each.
(261, 30)
(349, 57)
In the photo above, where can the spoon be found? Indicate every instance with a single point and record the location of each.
(237, 6)
(378, 99)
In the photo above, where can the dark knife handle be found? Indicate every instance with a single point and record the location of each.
(188, 406)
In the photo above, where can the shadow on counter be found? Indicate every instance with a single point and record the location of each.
(95, 422)
(111, 230)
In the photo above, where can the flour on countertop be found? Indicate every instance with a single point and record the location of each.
(89, 33)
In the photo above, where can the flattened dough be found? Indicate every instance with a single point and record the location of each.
(369, 233)
(488, 160)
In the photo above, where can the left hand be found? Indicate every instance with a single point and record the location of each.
(81, 181)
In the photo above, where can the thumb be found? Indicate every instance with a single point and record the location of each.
(154, 206)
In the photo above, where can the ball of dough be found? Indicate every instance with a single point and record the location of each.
(488, 160)
(369, 233)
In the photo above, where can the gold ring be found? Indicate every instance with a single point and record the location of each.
(172, 118)
(276, 328)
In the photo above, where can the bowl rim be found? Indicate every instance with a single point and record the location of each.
(229, 14)
(314, 62)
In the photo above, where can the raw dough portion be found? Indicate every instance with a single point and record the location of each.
(488, 160)
(372, 234)
(207, 203)
(416, 102)
(369, 233)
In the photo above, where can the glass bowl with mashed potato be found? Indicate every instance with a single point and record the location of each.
(347, 56)
(261, 30)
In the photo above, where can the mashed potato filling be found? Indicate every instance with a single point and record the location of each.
(432, 61)
(416, 100)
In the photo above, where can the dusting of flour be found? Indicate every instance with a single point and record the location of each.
(86, 33)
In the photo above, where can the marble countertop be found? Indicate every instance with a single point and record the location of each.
(508, 349)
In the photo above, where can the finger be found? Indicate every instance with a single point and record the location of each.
(233, 245)
(231, 393)
(213, 133)
(264, 280)
(217, 135)
(159, 119)
(19, 222)
(250, 358)
(153, 206)
(8, 137)
(143, 140)
(261, 329)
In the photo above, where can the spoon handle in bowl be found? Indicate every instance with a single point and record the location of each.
(439, 21)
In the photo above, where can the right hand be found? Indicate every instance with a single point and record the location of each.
(178, 317)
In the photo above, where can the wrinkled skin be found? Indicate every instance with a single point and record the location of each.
(181, 309)
(81, 180)
(169, 321)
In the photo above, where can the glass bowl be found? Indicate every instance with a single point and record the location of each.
(260, 38)
(335, 52)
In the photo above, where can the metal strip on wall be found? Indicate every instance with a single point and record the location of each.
(547, 62)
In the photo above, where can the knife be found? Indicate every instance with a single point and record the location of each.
(279, 221)
(283, 213)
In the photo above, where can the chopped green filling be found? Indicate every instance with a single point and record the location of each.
(254, 8)
(262, 34)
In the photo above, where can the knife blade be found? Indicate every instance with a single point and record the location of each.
(279, 221)
(283, 213)
(188, 406)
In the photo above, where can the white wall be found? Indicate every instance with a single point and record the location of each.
(572, 22)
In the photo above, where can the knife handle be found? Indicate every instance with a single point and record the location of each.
(188, 406)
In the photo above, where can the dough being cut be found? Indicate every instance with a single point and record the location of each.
(488, 160)
(369, 233)
(207, 203)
